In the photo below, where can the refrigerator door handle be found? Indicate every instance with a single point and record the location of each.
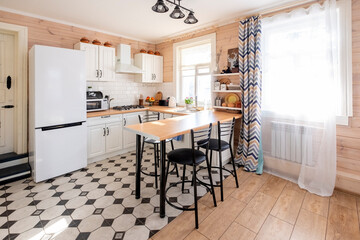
(68, 125)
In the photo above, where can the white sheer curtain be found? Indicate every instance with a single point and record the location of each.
(300, 75)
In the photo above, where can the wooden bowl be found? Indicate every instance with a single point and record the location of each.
(96, 42)
(150, 52)
(107, 44)
(157, 53)
(142, 51)
(84, 40)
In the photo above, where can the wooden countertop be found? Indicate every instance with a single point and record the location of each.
(172, 127)
(113, 112)
(161, 109)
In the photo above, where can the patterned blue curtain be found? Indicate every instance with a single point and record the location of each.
(249, 147)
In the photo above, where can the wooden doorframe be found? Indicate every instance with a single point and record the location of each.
(20, 84)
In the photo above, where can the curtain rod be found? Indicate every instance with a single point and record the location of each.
(289, 6)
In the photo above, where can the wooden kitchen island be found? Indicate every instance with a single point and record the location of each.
(168, 128)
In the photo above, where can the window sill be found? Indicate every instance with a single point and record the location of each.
(342, 120)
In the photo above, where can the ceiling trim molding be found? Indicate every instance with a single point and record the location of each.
(71, 24)
(285, 4)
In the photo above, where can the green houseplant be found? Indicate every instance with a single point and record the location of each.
(189, 101)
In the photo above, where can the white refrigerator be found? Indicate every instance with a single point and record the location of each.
(57, 111)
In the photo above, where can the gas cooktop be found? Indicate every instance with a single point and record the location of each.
(127, 107)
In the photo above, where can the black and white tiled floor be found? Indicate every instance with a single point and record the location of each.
(93, 203)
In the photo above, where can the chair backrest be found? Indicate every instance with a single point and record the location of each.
(226, 129)
(149, 117)
(200, 138)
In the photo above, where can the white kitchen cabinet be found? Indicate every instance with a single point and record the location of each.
(107, 63)
(152, 67)
(104, 135)
(96, 140)
(100, 62)
(114, 136)
(129, 138)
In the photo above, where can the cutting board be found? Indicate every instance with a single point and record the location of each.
(158, 97)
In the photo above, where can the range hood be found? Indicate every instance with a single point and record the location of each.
(123, 61)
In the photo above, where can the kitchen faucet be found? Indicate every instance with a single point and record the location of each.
(108, 99)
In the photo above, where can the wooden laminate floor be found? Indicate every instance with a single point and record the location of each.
(268, 207)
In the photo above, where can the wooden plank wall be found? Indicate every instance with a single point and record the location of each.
(348, 137)
(49, 33)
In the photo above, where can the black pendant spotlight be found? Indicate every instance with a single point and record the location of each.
(160, 7)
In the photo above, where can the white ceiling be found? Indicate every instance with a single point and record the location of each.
(134, 18)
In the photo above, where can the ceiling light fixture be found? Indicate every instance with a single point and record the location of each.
(160, 7)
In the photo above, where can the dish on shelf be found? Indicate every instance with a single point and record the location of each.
(84, 40)
(233, 87)
(231, 98)
(96, 42)
(225, 81)
(107, 44)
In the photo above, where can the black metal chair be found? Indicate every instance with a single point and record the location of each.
(151, 117)
(192, 157)
(225, 129)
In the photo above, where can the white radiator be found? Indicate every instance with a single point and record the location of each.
(292, 142)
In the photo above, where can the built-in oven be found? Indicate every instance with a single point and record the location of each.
(95, 101)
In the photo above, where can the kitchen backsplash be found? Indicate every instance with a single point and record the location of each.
(125, 90)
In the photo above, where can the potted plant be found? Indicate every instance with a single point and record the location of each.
(189, 101)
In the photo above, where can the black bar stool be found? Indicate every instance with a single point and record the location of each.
(225, 129)
(192, 157)
(151, 117)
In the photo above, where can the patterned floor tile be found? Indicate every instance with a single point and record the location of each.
(96, 202)
(91, 223)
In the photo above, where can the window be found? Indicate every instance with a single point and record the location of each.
(295, 58)
(193, 67)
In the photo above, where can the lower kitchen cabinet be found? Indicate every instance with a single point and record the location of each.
(129, 138)
(114, 134)
(105, 135)
(96, 140)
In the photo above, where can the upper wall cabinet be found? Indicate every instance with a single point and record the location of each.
(100, 62)
(152, 67)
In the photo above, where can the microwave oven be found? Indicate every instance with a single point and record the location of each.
(95, 101)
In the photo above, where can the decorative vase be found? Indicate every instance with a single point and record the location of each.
(189, 106)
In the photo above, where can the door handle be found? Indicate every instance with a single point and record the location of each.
(8, 82)
(104, 132)
(154, 76)
(8, 106)
(124, 122)
(97, 73)
(107, 131)
(100, 73)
